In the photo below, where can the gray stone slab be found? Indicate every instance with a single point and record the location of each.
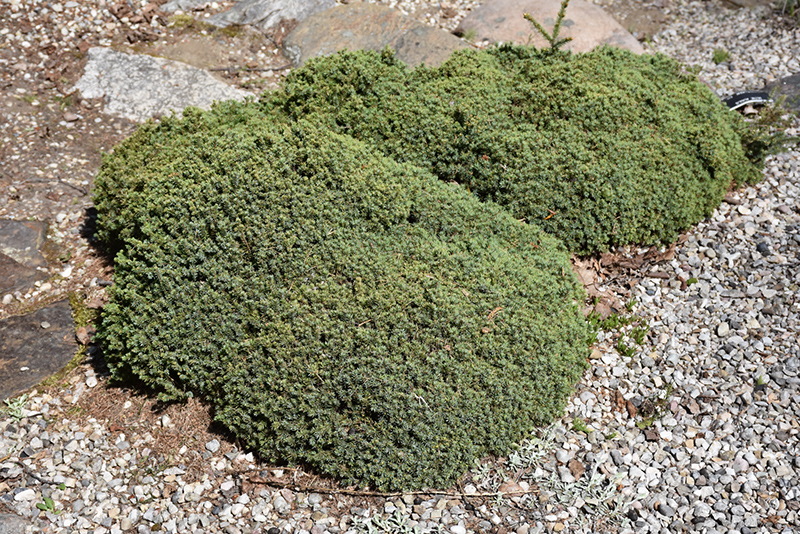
(23, 240)
(587, 24)
(265, 14)
(15, 276)
(789, 88)
(139, 87)
(21, 260)
(34, 346)
(362, 26)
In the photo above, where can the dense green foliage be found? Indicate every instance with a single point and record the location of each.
(600, 149)
(336, 307)
(311, 265)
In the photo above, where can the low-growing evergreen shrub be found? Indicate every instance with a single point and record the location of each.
(336, 307)
(310, 265)
(601, 149)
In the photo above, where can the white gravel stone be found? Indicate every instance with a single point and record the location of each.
(25, 495)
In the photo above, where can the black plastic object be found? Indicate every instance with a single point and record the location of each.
(745, 98)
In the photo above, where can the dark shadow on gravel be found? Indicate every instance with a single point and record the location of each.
(88, 230)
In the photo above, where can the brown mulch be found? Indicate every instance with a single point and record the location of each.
(617, 273)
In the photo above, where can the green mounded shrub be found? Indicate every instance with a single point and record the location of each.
(310, 265)
(601, 149)
(336, 307)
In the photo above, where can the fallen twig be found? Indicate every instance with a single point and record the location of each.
(248, 69)
(29, 472)
(79, 189)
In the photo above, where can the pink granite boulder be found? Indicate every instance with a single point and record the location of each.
(587, 24)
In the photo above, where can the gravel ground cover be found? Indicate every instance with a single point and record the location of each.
(687, 421)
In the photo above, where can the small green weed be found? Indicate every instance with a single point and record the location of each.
(48, 506)
(638, 334)
(81, 314)
(256, 82)
(579, 425)
(181, 21)
(760, 381)
(234, 30)
(721, 56)
(691, 281)
(470, 35)
(623, 349)
(610, 436)
(63, 101)
(647, 422)
(15, 407)
(694, 69)
(653, 408)
(188, 22)
(555, 42)
(615, 321)
(630, 305)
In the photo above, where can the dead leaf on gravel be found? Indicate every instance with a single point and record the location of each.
(588, 272)
(652, 256)
(586, 269)
(632, 411)
(576, 468)
(84, 335)
(603, 309)
(619, 401)
(510, 487)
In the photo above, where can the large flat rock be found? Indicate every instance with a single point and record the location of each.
(21, 260)
(35, 346)
(139, 87)
(15, 276)
(364, 26)
(23, 240)
(587, 24)
(265, 14)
